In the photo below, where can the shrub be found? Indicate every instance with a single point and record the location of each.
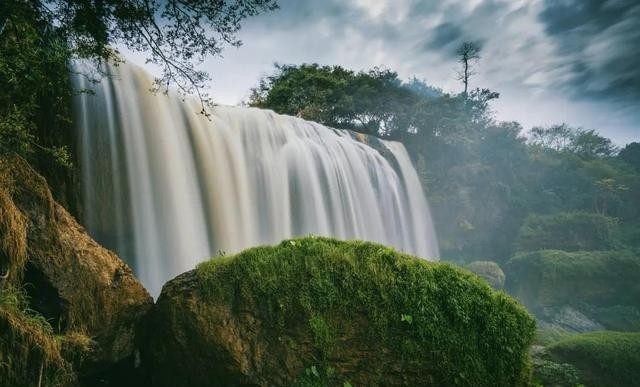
(602, 358)
(489, 271)
(569, 231)
(555, 278)
(549, 373)
(601, 286)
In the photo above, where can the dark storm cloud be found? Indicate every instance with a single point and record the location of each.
(566, 16)
(599, 42)
(443, 35)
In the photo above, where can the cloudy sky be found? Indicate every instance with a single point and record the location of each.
(574, 61)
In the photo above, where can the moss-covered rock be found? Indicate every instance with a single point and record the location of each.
(75, 284)
(601, 358)
(317, 311)
(601, 287)
(489, 271)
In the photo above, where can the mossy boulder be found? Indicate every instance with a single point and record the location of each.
(75, 284)
(489, 271)
(602, 359)
(595, 288)
(317, 311)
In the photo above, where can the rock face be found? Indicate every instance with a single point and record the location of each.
(316, 311)
(569, 319)
(72, 281)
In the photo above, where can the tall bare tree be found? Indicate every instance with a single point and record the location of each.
(468, 54)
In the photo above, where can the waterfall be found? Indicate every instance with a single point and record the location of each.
(166, 187)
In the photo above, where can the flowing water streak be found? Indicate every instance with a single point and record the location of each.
(167, 188)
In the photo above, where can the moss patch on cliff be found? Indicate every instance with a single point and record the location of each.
(444, 322)
(602, 358)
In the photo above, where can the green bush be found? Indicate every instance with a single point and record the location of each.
(602, 358)
(549, 373)
(554, 278)
(569, 231)
(432, 314)
(489, 271)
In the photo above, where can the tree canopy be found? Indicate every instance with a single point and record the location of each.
(176, 34)
(375, 102)
(39, 39)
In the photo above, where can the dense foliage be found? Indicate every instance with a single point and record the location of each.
(428, 313)
(374, 102)
(601, 284)
(547, 372)
(602, 358)
(494, 189)
(569, 231)
(34, 85)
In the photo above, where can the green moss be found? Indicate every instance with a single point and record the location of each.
(323, 334)
(429, 313)
(602, 358)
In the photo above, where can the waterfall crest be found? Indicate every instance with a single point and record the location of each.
(167, 188)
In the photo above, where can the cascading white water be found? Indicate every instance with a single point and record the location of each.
(167, 188)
